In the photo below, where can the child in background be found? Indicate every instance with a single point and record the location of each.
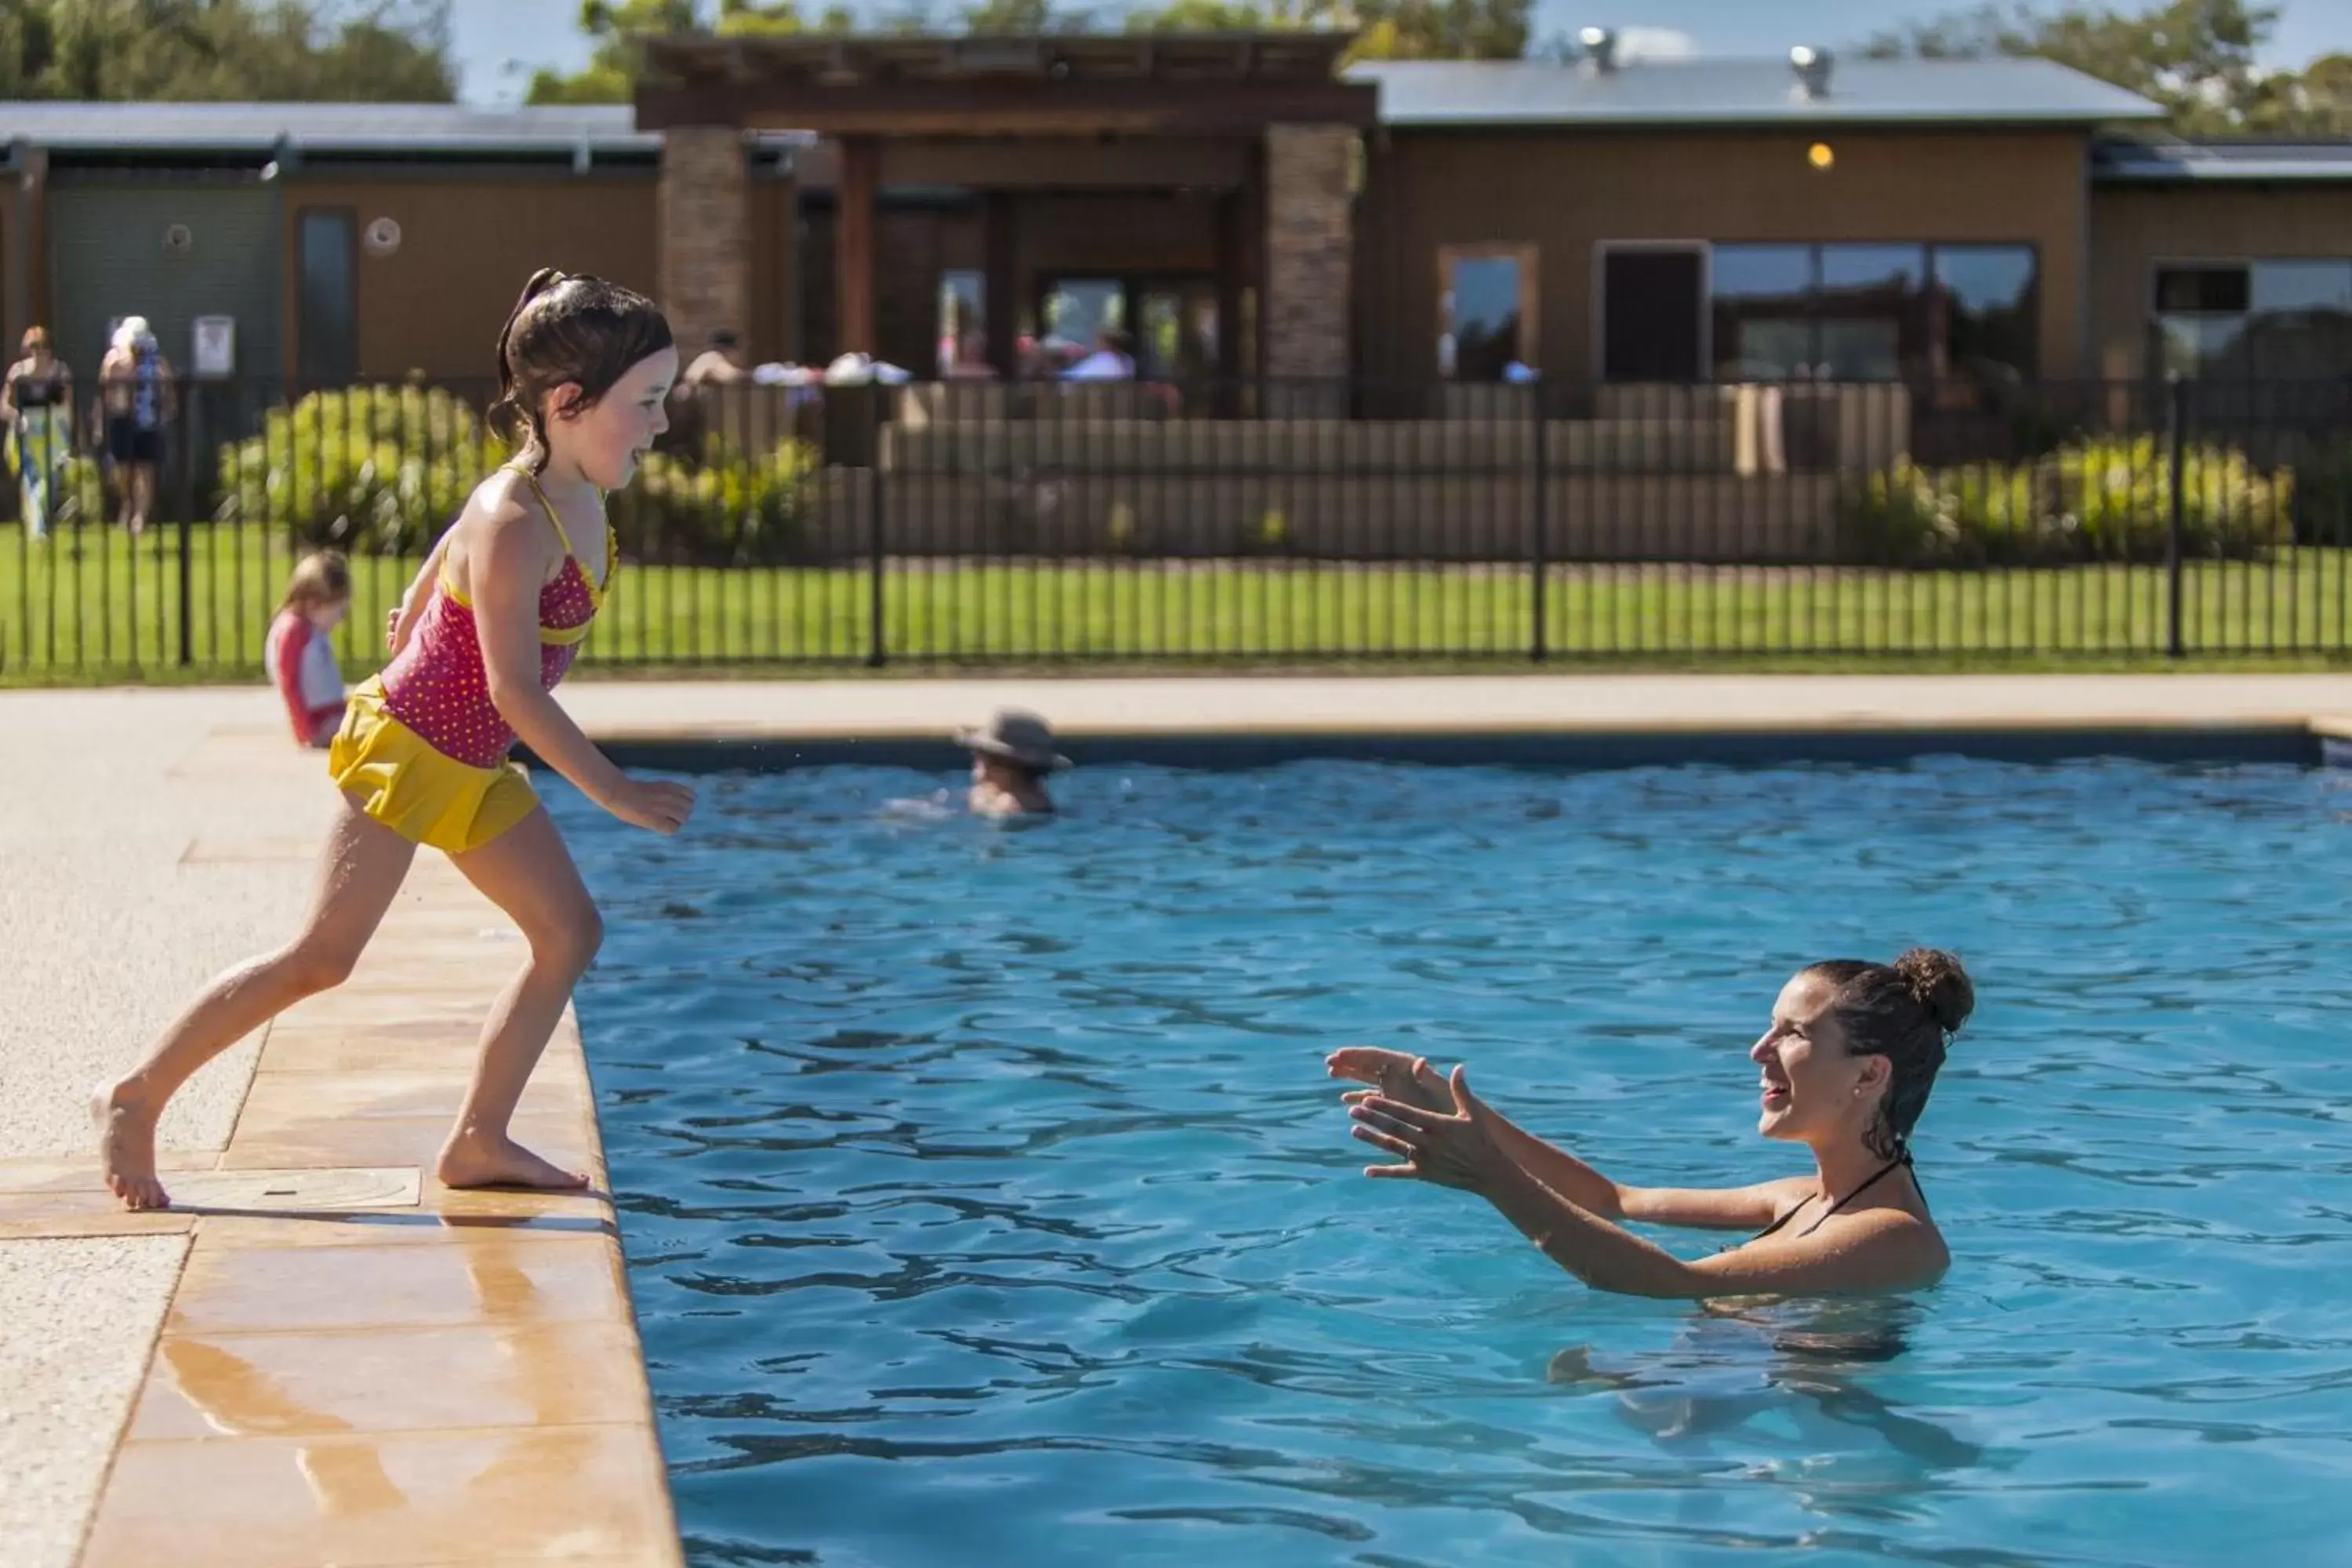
(300, 652)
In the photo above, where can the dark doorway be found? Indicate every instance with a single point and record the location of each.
(1651, 305)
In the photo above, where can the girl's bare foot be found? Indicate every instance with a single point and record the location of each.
(500, 1163)
(126, 1145)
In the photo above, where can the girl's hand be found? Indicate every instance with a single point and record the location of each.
(392, 632)
(1395, 1074)
(1455, 1149)
(658, 807)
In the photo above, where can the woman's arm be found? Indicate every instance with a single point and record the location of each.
(1874, 1249)
(1414, 1081)
(1880, 1249)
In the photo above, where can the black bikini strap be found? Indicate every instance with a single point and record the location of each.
(1900, 1162)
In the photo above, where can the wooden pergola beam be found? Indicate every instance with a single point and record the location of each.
(982, 108)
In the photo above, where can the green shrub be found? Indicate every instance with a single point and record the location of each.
(2322, 508)
(2096, 500)
(2121, 494)
(368, 469)
(730, 510)
(384, 470)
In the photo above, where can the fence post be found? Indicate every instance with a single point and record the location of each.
(869, 407)
(191, 425)
(1539, 545)
(2175, 426)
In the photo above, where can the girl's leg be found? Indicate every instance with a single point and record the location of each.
(364, 864)
(529, 873)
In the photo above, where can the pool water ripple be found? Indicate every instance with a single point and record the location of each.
(985, 1201)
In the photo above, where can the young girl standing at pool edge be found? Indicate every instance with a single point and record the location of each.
(490, 625)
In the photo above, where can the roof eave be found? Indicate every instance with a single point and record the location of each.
(1859, 119)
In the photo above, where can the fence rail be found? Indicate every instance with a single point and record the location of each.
(1291, 521)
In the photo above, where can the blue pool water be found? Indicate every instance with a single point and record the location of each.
(986, 1203)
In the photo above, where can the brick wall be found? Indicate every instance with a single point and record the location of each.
(706, 245)
(1308, 243)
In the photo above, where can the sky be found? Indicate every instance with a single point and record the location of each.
(500, 42)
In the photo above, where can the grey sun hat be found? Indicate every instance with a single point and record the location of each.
(1018, 736)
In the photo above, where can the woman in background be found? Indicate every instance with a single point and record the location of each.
(135, 396)
(37, 407)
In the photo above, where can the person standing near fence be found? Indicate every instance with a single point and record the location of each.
(492, 622)
(37, 403)
(136, 397)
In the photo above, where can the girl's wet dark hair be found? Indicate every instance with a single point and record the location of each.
(1908, 1011)
(568, 329)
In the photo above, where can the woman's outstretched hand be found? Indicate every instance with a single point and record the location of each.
(1454, 1148)
(1396, 1074)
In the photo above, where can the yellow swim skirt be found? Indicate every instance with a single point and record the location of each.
(425, 796)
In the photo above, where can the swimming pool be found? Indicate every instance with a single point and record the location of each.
(986, 1202)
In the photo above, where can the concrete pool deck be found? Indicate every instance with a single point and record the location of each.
(329, 1358)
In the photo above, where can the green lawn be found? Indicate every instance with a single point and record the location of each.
(102, 606)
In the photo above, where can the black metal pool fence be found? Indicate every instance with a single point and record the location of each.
(1290, 521)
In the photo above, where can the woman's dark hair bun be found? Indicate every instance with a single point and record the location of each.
(1941, 986)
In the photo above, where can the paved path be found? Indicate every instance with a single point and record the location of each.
(421, 1376)
(1438, 704)
(331, 1359)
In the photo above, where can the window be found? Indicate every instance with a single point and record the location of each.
(1077, 310)
(1166, 323)
(1485, 311)
(2270, 320)
(1179, 336)
(1762, 297)
(1984, 312)
(1873, 312)
(327, 320)
(963, 319)
(1870, 322)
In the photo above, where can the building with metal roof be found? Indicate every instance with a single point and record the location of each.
(2196, 161)
(1241, 201)
(1822, 93)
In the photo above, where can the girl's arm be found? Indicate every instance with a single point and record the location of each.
(507, 562)
(420, 589)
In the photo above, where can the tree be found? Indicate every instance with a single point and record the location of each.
(2195, 57)
(1385, 29)
(616, 25)
(216, 50)
(1025, 18)
(1443, 29)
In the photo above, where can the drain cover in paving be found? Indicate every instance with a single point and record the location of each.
(346, 1187)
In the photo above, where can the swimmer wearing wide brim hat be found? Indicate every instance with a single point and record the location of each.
(1011, 756)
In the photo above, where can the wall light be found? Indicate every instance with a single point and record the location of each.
(1822, 156)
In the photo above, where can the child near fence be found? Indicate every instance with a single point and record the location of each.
(492, 623)
(300, 654)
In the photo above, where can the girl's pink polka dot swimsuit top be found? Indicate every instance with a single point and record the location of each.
(439, 687)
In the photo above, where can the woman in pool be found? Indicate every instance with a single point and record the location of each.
(1847, 1064)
